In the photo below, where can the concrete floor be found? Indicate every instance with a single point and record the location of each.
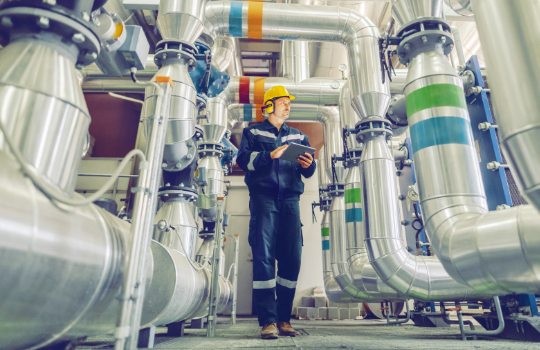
(319, 334)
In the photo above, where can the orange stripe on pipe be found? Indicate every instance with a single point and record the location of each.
(258, 91)
(164, 79)
(259, 116)
(255, 18)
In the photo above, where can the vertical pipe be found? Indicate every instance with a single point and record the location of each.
(295, 60)
(235, 283)
(508, 33)
(127, 330)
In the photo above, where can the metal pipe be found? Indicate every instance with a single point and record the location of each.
(294, 60)
(472, 332)
(464, 235)
(42, 241)
(181, 20)
(129, 317)
(418, 277)
(106, 175)
(406, 11)
(370, 96)
(462, 7)
(509, 26)
(235, 283)
(459, 48)
(44, 110)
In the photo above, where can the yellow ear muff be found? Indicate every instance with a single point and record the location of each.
(269, 107)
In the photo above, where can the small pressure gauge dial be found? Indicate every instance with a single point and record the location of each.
(334, 84)
(342, 67)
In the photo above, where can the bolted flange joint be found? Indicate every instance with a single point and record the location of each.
(423, 35)
(175, 51)
(373, 127)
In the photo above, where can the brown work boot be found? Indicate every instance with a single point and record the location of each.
(269, 331)
(285, 328)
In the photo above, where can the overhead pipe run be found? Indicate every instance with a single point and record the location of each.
(253, 20)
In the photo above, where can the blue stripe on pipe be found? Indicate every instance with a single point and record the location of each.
(440, 131)
(235, 19)
(326, 245)
(248, 113)
(353, 215)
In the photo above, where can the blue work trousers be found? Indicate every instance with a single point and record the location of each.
(275, 233)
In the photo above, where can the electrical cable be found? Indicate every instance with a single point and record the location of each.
(191, 262)
(53, 193)
(125, 98)
(229, 274)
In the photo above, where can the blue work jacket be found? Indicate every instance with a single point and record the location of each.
(276, 178)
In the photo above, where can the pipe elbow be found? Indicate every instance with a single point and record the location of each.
(358, 26)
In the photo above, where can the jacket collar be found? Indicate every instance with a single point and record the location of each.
(268, 126)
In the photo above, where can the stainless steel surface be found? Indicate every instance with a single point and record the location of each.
(462, 7)
(226, 56)
(183, 111)
(324, 179)
(215, 125)
(48, 271)
(489, 251)
(234, 290)
(406, 11)
(333, 142)
(132, 296)
(294, 60)
(418, 277)
(348, 116)
(215, 262)
(181, 19)
(43, 109)
(326, 23)
(176, 212)
(507, 30)
(176, 290)
(207, 200)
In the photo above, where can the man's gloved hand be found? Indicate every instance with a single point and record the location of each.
(305, 161)
(278, 152)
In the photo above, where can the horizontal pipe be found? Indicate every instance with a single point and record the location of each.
(370, 96)
(58, 263)
(106, 175)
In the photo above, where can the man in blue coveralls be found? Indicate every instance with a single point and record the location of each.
(275, 231)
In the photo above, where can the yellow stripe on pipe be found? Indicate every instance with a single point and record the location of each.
(255, 18)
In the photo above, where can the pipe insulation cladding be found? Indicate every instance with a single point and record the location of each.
(254, 20)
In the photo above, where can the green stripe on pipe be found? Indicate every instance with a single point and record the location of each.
(440, 131)
(436, 95)
(325, 231)
(353, 195)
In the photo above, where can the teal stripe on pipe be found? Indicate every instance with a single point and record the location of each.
(235, 19)
(325, 245)
(353, 215)
(248, 113)
(440, 131)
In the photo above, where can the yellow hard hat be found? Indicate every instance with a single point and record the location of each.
(272, 95)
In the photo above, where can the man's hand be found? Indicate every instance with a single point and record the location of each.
(305, 161)
(278, 151)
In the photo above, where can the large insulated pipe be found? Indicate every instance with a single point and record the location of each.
(226, 56)
(294, 60)
(44, 110)
(49, 272)
(253, 20)
(467, 238)
(181, 20)
(510, 26)
(416, 277)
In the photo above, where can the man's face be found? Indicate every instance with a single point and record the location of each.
(282, 108)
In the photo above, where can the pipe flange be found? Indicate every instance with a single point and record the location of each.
(353, 158)
(373, 127)
(210, 149)
(199, 133)
(336, 190)
(423, 35)
(35, 21)
(188, 194)
(175, 51)
(201, 102)
(176, 163)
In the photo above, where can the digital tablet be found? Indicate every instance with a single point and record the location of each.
(296, 150)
